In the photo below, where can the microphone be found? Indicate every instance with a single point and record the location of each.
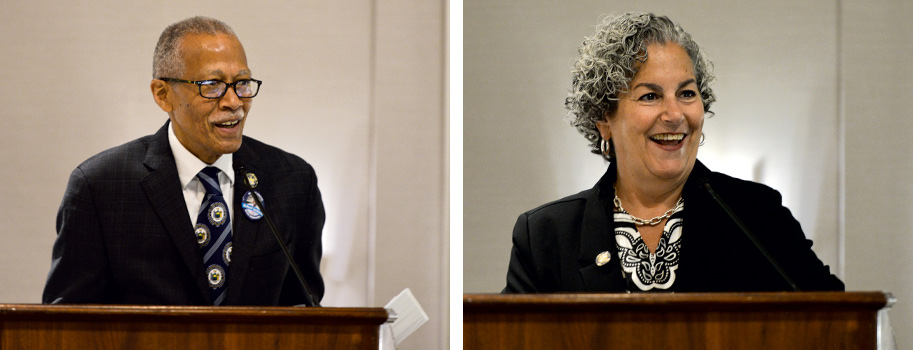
(705, 182)
(309, 298)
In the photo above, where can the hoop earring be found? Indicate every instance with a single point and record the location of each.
(702, 140)
(604, 147)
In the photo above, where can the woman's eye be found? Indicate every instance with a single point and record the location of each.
(649, 97)
(688, 94)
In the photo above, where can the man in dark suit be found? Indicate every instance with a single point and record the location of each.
(141, 224)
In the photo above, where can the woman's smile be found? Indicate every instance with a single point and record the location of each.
(668, 139)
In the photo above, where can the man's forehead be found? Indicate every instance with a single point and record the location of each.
(219, 72)
(212, 56)
(210, 42)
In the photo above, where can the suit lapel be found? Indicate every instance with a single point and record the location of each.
(246, 232)
(699, 209)
(597, 237)
(163, 188)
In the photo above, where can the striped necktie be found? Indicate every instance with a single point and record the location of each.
(213, 232)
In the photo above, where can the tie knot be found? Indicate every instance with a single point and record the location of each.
(209, 176)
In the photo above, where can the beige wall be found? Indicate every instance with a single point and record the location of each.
(813, 100)
(410, 155)
(877, 80)
(356, 88)
(776, 116)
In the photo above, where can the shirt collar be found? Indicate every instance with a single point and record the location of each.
(189, 165)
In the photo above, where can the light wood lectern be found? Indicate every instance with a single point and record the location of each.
(796, 320)
(188, 327)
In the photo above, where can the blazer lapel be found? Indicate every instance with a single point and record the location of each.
(699, 209)
(163, 188)
(597, 237)
(246, 232)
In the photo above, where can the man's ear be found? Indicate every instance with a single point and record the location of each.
(161, 92)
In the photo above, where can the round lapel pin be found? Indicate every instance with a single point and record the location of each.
(252, 180)
(603, 258)
(251, 210)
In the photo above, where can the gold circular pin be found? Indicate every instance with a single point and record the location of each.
(252, 180)
(603, 258)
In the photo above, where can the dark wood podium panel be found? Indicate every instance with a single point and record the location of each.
(795, 320)
(188, 327)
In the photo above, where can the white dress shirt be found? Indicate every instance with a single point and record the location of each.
(189, 166)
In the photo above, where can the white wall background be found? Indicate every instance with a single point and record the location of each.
(798, 82)
(776, 116)
(356, 88)
(877, 80)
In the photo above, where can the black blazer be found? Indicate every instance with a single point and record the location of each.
(555, 245)
(124, 236)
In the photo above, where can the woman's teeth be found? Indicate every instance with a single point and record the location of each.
(667, 139)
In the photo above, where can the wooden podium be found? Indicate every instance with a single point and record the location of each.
(188, 327)
(798, 320)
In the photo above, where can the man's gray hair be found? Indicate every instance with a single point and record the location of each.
(167, 61)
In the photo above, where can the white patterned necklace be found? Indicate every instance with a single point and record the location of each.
(654, 221)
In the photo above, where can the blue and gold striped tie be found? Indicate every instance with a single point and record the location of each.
(213, 232)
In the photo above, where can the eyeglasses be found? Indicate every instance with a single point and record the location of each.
(215, 89)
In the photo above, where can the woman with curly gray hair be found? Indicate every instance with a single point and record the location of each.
(640, 93)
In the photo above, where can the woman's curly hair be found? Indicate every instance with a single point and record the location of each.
(608, 62)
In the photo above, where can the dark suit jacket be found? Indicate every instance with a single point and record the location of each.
(124, 236)
(555, 245)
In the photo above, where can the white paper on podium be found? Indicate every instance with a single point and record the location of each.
(409, 316)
